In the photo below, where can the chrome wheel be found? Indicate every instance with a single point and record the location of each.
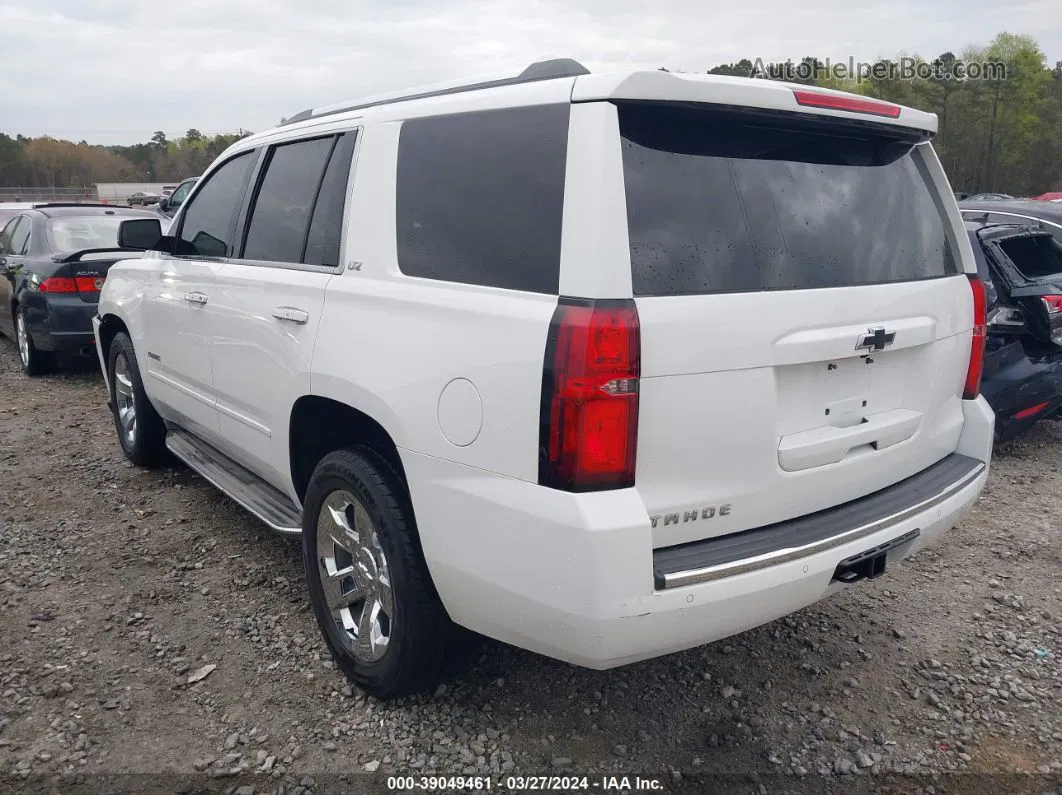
(23, 339)
(123, 400)
(354, 576)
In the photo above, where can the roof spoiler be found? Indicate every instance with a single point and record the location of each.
(77, 256)
(76, 204)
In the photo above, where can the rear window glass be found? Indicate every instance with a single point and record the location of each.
(1036, 256)
(75, 233)
(721, 201)
(480, 197)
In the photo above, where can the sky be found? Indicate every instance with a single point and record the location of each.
(114, 71)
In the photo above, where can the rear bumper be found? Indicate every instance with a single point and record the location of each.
(763, 547)
(60, 322)
(1022, 390)
(572, 576)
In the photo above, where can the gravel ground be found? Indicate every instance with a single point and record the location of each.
(149, 626)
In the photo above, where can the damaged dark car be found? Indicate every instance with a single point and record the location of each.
(1021, 266)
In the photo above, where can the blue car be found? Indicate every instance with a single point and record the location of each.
(1021, 266)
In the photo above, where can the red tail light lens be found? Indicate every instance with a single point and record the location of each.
(972, 387)
(1053, 303)
(88, 284)
(814, 99)
(589, 419)
(58, 284)
(62, 284)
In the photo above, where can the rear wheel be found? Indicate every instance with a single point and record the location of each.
(369, 585)
(141, 431)
(34, 362)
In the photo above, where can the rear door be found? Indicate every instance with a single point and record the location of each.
(804, 311)
(269, 300)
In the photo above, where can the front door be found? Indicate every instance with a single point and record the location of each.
(180, 319)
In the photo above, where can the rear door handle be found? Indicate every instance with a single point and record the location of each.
(195, 298)
(290, 314)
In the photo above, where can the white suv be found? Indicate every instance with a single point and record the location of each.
(604, 366)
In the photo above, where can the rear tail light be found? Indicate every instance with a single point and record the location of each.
(589, 415)
(89, 284)
(814, 99)
(1053, 303)
(58, 284)
(972, 388)
(63, 284)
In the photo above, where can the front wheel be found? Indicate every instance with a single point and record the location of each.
(141, 431)
(369, 585)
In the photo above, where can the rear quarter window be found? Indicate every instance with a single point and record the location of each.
(479, 197)
(721, 201)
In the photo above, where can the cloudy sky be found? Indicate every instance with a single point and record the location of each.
(113, 71)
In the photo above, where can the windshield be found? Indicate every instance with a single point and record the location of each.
(73, 233)
(720, 202)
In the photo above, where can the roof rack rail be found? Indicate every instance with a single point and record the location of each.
(540, 70)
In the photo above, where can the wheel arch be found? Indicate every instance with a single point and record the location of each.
(110, 326)
(320, 425)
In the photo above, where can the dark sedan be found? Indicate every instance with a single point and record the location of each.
(1047, 215)
(53, 261)
(1021, 267)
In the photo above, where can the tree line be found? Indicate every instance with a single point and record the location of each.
(1000, 131)
(50, 162)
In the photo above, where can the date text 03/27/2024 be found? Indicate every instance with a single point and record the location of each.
(523, 783)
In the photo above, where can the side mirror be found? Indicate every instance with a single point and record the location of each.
(164, 202)
(142, 234)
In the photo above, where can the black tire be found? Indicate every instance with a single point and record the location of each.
(424, 645)
(145, 445)
(34, 361)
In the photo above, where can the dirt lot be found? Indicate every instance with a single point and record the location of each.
(117, 585)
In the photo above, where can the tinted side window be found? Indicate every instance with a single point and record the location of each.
(480, 197)
(322, 245)
(206, 230)
(7, 234)
(20, 239)
(280, 219)
(178, 196)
